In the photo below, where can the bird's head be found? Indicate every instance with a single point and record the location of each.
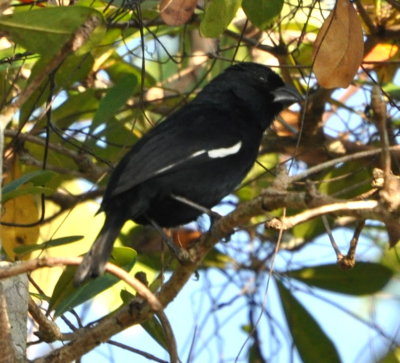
(266, 82)
(255, 87)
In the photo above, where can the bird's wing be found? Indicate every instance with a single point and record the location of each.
(191, 136)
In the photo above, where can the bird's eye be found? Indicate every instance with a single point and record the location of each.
(261, 78)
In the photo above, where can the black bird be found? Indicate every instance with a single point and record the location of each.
(193, 159)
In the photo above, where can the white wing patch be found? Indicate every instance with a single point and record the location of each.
(213, 154)
(224, 151)
(165, 168)
(170, 166)
(197, 153)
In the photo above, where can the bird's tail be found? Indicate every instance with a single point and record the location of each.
(94, 261)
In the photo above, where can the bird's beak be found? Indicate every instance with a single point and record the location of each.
(286, 95)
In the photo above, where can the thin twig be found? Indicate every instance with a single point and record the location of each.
(170, 337)
(336, 248)
(86, 167)
(379, 114)
(137, 351)
(48, 330)
(289, 222)
(344, 159)
(349, 261)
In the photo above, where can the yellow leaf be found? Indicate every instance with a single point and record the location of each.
(339, 47)
(80, 220)
(177, 12)
(20, 210)
(378, 56)
(380, 53)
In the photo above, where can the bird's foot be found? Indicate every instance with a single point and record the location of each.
(214, 218)
(182, 254)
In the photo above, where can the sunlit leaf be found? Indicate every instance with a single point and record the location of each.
(261, 12)
(218, 15)
(45, 30)
(380, 53)
(393, 90)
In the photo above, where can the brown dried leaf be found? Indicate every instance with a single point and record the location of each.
(177, 12)
(339, 47)
(291, 119)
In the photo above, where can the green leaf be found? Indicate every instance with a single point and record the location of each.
(393, 90)
(307, 231)
(217, 17)
(32, 190)
(261, 12)
(393, 356)
(346, 181)
(66, 296)
(155, 330)
(311, 341)
(115, 135)
(74, 69)
(365, 278)
(22, 250)
(45, 30)
(114, 99)
(57, 159)
(38, 177)
(22, 58)
(77, 107)
(258, 177)
(303, 53)
(120, 69)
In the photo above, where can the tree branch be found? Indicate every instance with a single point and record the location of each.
(139, 310)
